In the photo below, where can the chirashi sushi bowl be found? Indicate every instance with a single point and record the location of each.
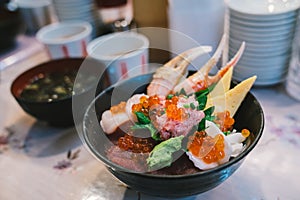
(173, 137)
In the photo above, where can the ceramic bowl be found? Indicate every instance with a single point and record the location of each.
(58, 112)
(249, 115)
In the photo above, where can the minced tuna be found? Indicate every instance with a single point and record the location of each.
(179, 116)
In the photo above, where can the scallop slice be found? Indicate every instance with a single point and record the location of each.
(212, 130)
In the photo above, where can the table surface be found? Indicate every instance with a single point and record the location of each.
(34, 161)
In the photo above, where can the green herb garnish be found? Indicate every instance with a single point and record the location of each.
(192, 105)
(142, 118)
(202, 99)
(201, 125)
(208, 116)
(181, 92)
(208, 113)
(226, 133)
(205, 91)
(186, 106)
(150, 127)
(145, 123)
(170, 96)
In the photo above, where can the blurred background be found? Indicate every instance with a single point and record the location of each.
(107, 16)
(268, 27)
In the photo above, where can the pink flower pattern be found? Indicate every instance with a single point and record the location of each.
(287, 128)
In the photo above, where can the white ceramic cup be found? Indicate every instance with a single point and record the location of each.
(66, 39)
(125, 54)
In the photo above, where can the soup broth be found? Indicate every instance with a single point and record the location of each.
(53, 86)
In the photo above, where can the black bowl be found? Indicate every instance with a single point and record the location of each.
(58, 112)
(249, 115)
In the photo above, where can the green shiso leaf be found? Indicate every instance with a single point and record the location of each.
(142, 118)
(201, 125)
(208, 116)
(202, 99)
(169, 96)
(150, 127)
(208, 113)
(205, 91)
(192, 106)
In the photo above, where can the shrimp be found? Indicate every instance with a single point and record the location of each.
(167, 80)
(169, 75)
(201, 79)
(119, 114)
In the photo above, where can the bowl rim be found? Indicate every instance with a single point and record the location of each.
(87, 30)
(116, 167)
(97, 42)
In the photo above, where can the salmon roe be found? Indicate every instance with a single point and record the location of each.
(145, 104)
(134, 144)
(224, 120)
(173, 112)
(209, 149)
(245, 132)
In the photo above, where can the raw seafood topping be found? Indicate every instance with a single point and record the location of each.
(172, 116)
(134, 144)
(209, 149)
(224, 120)
(145, 103)
(179, 114)
(190, 119)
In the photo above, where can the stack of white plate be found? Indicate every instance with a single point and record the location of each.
(83, 10)
(268, 29)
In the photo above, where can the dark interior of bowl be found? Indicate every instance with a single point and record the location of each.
(25, 78)
(59, 112)
(249, 115)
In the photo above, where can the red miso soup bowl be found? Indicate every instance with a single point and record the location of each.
(56, 75)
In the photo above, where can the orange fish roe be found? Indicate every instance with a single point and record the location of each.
(224, 120)
(173, 112)
(134, 144)
(209, 149)
(245, 132)
(144, 104)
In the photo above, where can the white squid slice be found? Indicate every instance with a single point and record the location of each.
(235, 138)
(237, 148)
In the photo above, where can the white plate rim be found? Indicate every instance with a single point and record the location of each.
(266, 7)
